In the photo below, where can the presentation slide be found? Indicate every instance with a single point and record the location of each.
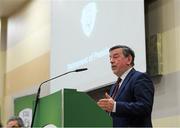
(82, 33)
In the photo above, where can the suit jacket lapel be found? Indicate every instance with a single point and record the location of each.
(125, 82)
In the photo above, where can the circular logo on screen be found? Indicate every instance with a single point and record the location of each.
(50, 126)
(88, 18)
(26, 116)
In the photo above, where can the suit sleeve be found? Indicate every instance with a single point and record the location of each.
(142, 90)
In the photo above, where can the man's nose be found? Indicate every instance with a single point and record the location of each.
(111, 60)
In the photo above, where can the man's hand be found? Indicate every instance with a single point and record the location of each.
(107, 103)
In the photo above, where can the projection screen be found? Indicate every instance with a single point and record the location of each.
(82, 33)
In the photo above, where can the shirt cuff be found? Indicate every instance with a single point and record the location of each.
(114, 107)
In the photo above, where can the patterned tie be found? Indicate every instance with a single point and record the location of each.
(116, 88)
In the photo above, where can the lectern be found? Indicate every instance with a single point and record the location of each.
(70, 108)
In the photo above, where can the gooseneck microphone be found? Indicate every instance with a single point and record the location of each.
(39, 89)
(81, 69)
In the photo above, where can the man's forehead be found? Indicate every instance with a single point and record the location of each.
(13, 122)
(116, 51)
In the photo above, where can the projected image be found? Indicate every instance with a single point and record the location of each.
(88, 18)
(82, 33)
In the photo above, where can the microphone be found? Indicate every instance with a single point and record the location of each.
(39, 89)
(81, 69)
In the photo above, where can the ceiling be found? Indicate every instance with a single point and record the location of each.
(7, 7)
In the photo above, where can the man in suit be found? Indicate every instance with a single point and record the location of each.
(130, 100)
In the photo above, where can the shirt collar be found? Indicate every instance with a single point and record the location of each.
(126, 73)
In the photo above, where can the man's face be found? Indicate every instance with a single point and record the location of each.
(119, 63)
(12, 124)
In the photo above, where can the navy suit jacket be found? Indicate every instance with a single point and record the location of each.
(134, 101)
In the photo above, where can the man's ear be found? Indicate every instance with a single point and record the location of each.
(129, 60)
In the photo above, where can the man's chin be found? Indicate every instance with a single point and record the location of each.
(115, 72)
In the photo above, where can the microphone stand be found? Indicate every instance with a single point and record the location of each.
(39, 90)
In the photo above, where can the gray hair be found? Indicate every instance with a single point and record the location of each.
(18, 119)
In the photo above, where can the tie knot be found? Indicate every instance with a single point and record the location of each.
(118, 80)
